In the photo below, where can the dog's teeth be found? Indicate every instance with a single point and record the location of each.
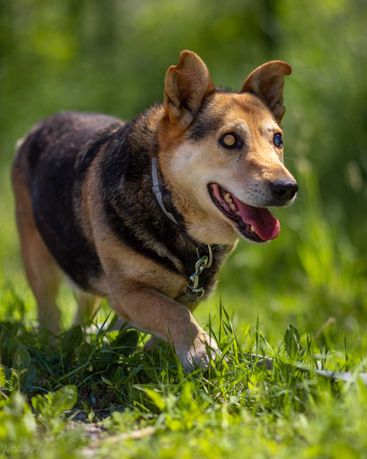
(228, 198)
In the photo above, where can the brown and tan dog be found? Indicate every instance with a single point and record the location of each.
(145, 212)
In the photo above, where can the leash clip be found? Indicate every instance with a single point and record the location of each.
(202, 263)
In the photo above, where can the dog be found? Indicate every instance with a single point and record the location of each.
(145, 212)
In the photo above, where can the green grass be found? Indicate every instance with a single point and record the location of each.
(300, 300)
(142, 404)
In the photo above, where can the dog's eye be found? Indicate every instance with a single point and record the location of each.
(278, 140)
(231, 141)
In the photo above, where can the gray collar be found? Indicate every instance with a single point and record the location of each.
(159, 192)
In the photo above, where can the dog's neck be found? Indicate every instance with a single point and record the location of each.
(194, 290)
(127, 174)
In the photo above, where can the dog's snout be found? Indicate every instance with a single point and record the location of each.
(283, 190)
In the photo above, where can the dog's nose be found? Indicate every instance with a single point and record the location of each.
(283, 190)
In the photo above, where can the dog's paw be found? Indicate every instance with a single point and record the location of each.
(198, 355)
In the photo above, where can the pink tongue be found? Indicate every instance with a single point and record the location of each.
(262, 221)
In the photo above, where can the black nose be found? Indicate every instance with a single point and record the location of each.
(283, 191)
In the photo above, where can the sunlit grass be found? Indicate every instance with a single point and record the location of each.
(143, 405)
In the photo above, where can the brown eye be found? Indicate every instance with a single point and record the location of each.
(231, 141)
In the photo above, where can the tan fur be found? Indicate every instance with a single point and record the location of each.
(88, 305)
(267, 82)
(42, 272)
(186, 85)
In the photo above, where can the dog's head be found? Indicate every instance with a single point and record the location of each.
(221, 153)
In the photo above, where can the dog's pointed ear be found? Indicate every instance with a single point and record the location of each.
(186, 86)
(267, 82)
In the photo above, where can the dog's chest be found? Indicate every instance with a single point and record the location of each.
(201, 273)
(189, 285)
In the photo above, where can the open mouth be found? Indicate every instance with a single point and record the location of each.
(254, 223)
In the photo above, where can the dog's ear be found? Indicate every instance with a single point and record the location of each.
(267, 82)
(186, 86)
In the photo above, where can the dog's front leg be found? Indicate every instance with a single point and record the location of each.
(155, 313)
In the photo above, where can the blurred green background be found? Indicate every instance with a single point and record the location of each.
(111, 56)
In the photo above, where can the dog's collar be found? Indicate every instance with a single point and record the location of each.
(193, 290)
(162, 194)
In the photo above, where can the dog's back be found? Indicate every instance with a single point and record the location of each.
(58, 141)
(48, 169)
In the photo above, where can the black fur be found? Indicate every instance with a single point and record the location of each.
(204, 125)
(55, 151)
(60, 153)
